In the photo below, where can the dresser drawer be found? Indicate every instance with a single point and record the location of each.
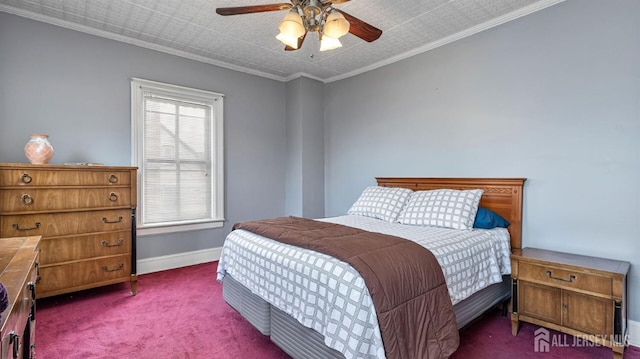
(64, 224)
(84, 274)
(41, 200)
(72, 177)
(65, 249)
(563, 278)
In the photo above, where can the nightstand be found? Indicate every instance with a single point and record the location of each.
(577, 295)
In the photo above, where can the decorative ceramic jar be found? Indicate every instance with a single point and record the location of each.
(38, 150)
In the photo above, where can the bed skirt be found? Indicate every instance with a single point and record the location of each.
(301, 342)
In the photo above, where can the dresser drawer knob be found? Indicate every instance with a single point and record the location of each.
(113, 179)
(572, 277)
(118, 267)
(107, 244)
(105, 220)
(113, 197)
(26, 178)
(26, 199)
(16, 226)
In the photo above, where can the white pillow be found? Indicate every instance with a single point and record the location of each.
(447, 208)
(384, 203)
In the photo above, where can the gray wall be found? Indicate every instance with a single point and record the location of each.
(305, 148)
(75, 88)
(553, 97)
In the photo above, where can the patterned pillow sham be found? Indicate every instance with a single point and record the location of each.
(446, 208)
(384, 203)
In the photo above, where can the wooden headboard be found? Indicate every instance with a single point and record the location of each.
(501, 195)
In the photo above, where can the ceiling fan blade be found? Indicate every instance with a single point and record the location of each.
(338, 2)
(300, 41)
(361, 29)
(238, 10)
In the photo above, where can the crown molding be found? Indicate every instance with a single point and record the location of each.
(303, 74)
(457, 36)
(136, 42)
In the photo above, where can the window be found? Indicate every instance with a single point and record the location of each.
(177, 146)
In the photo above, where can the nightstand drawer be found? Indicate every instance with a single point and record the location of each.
(563, 278)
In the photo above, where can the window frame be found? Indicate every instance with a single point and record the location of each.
(216, 101)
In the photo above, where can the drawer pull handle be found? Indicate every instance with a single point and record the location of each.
(113, 179)
(105, 220)
(17, 227)
(107, 244)
(37, 272)
(118, 267)
(15, 340)
(572, 277)
(113, 197)
(26, 199)
(32, 313)
(32, 289)
(26, 178)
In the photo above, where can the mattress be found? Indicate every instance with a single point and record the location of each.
(330, 297)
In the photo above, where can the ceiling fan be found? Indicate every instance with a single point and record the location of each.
(311, 16)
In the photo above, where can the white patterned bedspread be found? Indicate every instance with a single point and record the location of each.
(329, 296)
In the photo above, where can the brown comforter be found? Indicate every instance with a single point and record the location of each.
(406, 283)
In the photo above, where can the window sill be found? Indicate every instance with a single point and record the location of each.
(147, 231)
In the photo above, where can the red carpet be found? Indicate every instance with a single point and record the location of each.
(176, 314)
(181, 314)
(491, 337)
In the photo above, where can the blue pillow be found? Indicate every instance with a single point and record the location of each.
(488, 219)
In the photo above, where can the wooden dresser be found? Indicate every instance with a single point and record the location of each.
(85, 215)
(19, 274)
(577, 295)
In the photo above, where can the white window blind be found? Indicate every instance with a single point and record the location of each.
(178, 150)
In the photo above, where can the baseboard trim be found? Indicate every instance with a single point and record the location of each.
(634, 333)
(157, 264)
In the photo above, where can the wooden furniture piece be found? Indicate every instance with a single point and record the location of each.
(85, 215)
(19, 273)
(501, 195)
(577, 295)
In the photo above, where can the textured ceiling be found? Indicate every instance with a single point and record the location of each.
(192, 29)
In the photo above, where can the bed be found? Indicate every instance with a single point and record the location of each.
(300, 336)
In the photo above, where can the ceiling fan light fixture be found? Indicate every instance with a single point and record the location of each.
(329, 43)
(307, 16)
(336, 25)
(292, 25)
(291, 28)
(288, 40)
